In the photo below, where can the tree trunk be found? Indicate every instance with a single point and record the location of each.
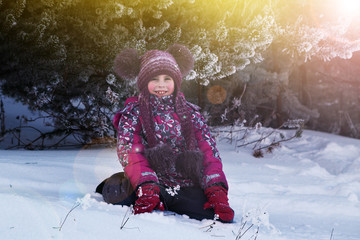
(2, 119)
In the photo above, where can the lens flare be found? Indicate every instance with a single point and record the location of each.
(90, 167)
(351, 7)
(216, 94)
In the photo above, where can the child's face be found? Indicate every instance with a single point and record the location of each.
(161, 85)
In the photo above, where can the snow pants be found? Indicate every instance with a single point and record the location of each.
(185, 201)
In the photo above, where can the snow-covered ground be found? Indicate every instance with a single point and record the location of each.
(307, 189)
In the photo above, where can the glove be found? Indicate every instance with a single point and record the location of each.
(148, 199)
(218, 200)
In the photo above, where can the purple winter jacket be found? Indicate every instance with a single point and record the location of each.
(131, 143)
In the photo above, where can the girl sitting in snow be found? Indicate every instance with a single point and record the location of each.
(164, 144)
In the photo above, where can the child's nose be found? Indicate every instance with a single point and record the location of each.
(161, 83)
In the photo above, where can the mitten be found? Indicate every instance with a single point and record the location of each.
(148, 199)
(218, 200)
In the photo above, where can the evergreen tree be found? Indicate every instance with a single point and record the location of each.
(278, 88)
(57, 56)
(316, 33)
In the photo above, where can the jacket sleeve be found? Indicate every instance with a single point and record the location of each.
(213, 168)
(130, 147)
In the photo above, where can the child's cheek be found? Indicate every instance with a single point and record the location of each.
(171, 88)
(151, 87)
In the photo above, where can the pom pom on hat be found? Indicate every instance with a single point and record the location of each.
(127, 64)
(183, 58)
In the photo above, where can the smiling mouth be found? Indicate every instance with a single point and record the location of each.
(161, 92)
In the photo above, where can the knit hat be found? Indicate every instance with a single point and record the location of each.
(154, 63)
(176, 62)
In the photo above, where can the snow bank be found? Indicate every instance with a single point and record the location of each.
(305, 189)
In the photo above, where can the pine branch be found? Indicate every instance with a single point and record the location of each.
(32, 145)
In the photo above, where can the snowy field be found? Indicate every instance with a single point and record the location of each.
(307, 189)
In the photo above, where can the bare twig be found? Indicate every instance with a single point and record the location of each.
(67, 215)
(209, 227)
(275, 143)
(240, 235)
(255, 235)
(126, 217)
(332, 234)
(43, 135)
(17, 137)
(258, 144)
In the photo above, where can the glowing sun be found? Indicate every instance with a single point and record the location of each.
(349, 6)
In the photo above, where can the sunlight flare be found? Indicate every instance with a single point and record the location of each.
(351, 7)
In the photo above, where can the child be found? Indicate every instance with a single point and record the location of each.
(164, 144)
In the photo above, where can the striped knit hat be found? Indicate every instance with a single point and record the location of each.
(176, 62)
(154, 63)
